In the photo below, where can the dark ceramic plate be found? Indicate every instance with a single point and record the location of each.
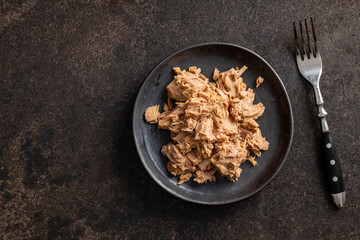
(276, 123)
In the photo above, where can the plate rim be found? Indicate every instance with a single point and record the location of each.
(236, 199)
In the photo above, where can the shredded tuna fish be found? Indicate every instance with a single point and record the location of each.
(259, 81)
(213, 125)
(152, 114)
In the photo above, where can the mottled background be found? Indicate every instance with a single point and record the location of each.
(70, 72)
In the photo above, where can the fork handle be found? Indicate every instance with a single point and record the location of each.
(335, 176)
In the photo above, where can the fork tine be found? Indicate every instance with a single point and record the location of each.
(296, 41)
(307, 40)
(302, 40)
(314, 36)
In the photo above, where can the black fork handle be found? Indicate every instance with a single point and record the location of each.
(335, 176)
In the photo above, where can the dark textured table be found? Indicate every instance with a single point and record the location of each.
(70, 72)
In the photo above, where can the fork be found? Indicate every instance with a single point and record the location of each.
(310, 66)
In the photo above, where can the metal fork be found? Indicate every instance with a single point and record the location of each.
(310, 66)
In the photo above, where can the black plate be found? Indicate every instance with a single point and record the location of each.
(276, 124)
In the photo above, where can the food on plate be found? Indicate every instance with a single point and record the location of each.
(212, 124)
(152, 114)
(259, 81)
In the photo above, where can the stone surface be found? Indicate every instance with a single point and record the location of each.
(70, 71)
